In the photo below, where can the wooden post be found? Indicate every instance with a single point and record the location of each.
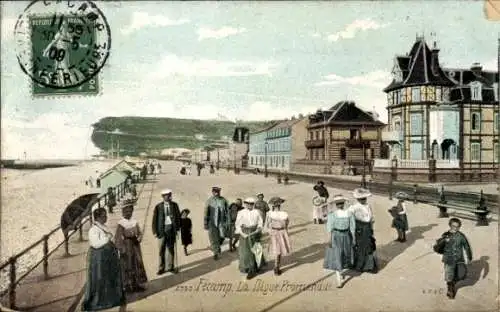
(415, 186)
(443, 212)
(66, 245)
(12, 284)
(482, 219)
(45, 257)
(80, 230)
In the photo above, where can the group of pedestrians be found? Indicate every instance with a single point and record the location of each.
(115, 264)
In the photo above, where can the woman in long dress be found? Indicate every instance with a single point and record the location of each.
(277, 224)
(364, 250)
(399, 218)
(104, 287)
(341, 227)
(128, 241)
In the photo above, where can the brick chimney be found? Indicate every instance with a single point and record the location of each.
(435, 60)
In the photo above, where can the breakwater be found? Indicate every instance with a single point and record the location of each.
(36, 164)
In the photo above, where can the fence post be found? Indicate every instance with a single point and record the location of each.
(66, 245)
(482, 219)
(12, 284)
(80, 230)
(45, 257)
(443, 213)
(415, 187)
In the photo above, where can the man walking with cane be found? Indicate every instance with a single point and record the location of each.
(166, 224)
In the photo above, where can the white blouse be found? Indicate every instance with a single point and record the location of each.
(99, 235)
(361, 212)
(127, 224)
(248, 218)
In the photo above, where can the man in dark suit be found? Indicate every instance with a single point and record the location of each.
(216, 220)
(166, 224)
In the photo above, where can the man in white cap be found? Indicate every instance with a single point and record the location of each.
(364, 250)
(166, 224)
(249, 225)
(216, 220)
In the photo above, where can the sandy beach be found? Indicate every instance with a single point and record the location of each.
(32, 204)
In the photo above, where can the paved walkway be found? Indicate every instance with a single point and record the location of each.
(411, 278)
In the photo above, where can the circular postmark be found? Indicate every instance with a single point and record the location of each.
(62, 44)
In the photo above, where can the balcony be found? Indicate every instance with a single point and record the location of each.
(357, 143)
(392, 136)
(314, 143)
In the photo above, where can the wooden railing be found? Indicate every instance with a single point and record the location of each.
(14, 280)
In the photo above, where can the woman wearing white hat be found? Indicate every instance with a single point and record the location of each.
(277, 224)
(364, 249)
(249, 225)
(341, 227)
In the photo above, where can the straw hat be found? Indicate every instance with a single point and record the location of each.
(360, 193)
(401, 195)
(166, 191)
(216, 189)
(338, 199)
(249, 200)
(276, 200)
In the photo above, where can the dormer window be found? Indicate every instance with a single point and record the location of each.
(475, 90)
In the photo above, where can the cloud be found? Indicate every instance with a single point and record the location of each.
(174, 65)
(377, 79)
(261, 110)
(142, 20)
(491, 65)
(207, 33)
(353, 28)
(49, 136)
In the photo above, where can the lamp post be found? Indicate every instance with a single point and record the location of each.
(117, 132)
(363, 180)
(324, 133)
(265, 159)
(234, 157)
(434, 144)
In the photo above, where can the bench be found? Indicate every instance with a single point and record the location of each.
(481, 214)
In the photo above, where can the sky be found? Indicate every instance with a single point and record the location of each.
(236, 60)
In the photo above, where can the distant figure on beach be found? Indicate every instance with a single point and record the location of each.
(188, 167)
(199, 166)
(183, 170)
(166, 224)
(91, 182)
(133, 191)
(186, 230)
(128, 239)
(212, 169)
(144, 172)
(98, 183)
(111, 199)
(104, 287)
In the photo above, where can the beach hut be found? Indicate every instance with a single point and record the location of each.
(111, 178)
(127, 167)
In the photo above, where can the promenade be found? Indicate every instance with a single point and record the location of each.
(411, 277)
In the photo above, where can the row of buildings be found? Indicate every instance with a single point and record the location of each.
(443, 125)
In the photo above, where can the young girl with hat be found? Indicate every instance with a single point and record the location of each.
(277, 224)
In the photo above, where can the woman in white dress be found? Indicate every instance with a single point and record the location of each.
(277, 224)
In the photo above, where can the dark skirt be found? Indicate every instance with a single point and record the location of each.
(104, 287)
(247, 261)
(400, 222)
(132, 265)
(364, 251)
(339, 255)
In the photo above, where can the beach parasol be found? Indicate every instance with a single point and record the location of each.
(77, 210)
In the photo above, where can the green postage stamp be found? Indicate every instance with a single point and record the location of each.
(52, 52)
(62, 46)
